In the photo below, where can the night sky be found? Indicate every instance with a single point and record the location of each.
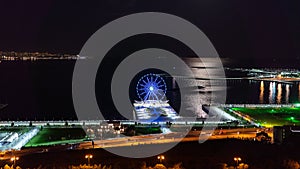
(249, 31)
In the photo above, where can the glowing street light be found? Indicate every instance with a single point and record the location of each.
(14, 159)
(161, 158)
(237, 160)
(89, 157)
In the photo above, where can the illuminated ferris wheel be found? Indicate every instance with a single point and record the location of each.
(151, 87)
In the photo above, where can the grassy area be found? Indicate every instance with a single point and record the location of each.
(53, 136)
(272, 116)
(147, 130)
(142, 130)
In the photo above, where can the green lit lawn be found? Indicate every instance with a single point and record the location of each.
(273, 116)
(147, 130)
(53, 136)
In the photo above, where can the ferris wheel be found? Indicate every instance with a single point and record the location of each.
(151, 87)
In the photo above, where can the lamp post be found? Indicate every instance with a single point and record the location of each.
(89, 157)
(237, 160)
(14, 159)
(161, 158)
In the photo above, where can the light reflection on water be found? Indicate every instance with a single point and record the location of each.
(287, 93)
(282, 92)
(279, 93)
(272, 92)
(262, 90)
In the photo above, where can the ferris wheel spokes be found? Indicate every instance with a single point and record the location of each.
(151, 87)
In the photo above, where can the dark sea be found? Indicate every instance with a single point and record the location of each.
(42, 90)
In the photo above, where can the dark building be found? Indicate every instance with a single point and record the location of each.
(286, 134)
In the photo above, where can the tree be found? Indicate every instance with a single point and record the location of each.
(159, 166)
(177, 166)
(6, 166)
(291, 164)
(144, 165)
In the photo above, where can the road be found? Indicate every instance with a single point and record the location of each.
(247, 133)
(240, 133)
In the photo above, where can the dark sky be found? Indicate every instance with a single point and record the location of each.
(254, 30)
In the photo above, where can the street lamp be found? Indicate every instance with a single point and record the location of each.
(237, 160)
(161, 158)
(89, 156)
(14, 159)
